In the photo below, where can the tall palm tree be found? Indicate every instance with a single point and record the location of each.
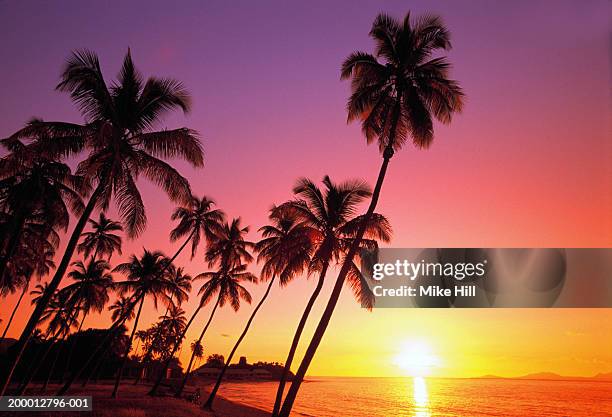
(89, 291)
(172, 325)
(123, 145)
(197, 219)
(330, 216)
(227, 248)
(197, 350)
(285, 251)
(36, 261)
(34, 188)
(61, 317)
(122, 311)
(146, 277)
(396, 93)
(182, 287)
(227, 284)
(122, 307)
(101, 241)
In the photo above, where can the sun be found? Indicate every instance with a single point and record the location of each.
(416, 358)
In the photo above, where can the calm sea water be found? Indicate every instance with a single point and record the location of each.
(432, 397)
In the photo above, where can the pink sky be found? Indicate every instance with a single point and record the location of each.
(528, 163)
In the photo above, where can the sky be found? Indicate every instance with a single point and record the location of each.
(527, 164)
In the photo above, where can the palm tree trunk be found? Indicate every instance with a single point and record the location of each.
(12, 244)
(184, 382)
(213, 393)
(127, 350)
(180, 249)
(95, 372)
(296, 340)
(52, 369)
(333, 299)
(103, 345)
(53, 285)
(71, 349)
(161, 375)
(35, 368)
(147, 358)
(25, 289)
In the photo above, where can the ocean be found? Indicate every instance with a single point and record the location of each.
(433, 397)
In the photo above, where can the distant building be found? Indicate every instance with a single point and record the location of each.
(240, 371)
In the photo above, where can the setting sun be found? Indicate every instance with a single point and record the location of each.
(416, 358)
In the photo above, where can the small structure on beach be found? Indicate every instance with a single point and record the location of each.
(238, 371)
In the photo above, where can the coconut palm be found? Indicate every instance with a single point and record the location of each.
(60, 317)
(182, 285)
(197, 219)
(101, 241)
(122, 311)
(35, 261)
(197, 350)
(171, 327)
(122, 307)
(122, 146)
(228, 248)
(397, 92)
(89, 291)
(35, 189)
(146, 277)
(330, 216)
(226, 282)
(285, 251)
(24, 289)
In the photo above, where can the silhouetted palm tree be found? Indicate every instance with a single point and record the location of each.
(330, 216)
(197, 219)
(146, 277)
(35, 189)
(89, 291)
(227, 248)
(101, 241)
(285, 251)
(182, 284)
(37, 261)
(197, 351)
(122, 147)
(61, 317)
(227, 283)
(397, 92)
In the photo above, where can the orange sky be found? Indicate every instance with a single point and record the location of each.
(528, 163)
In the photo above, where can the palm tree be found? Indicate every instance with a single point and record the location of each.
(61, 317)
(227, 248)
(330, 216)
(197, 350)
(101, 241)
(182, 286)
(35, 262)
(285, 251)
(35, 189)
(396, 93)
(24, 289)
(197, 219)
(89, 291)
(146, 277)
(227, 283)
(122, 146)
(172, 326)
(122, 307)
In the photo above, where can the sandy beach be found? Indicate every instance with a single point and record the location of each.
(133, 401)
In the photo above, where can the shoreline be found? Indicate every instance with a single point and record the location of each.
(133, 401)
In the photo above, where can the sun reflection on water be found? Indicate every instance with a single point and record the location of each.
(420, 397)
